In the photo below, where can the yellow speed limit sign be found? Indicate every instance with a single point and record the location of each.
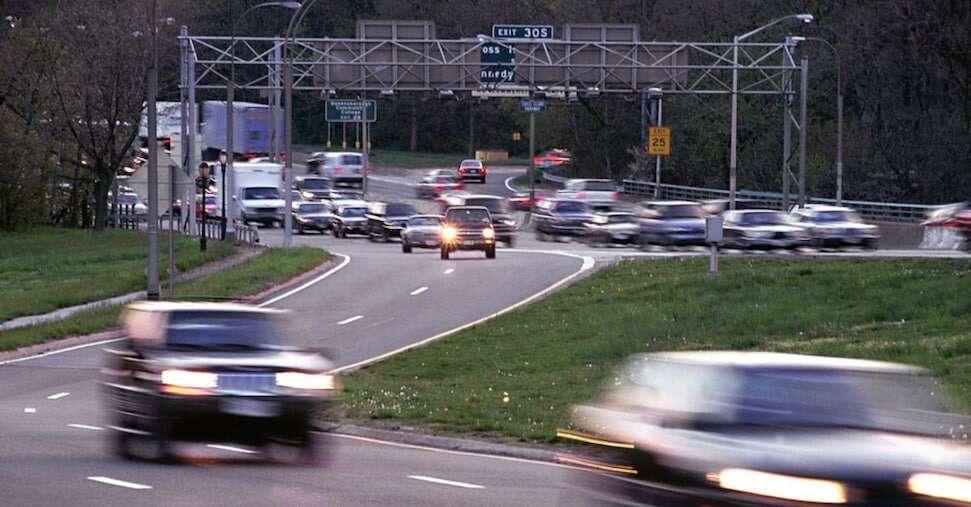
(659, 141)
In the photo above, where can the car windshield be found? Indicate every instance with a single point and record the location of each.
(353, 212)
(261, 193)
(313, 208)
(467, 216)
(221, 330)
(494, 205)
(352, 160)
(681, 211)
(572, 207)
(837, 216)
(400, 209)
(600, 186)
(905, 402)
(345, 195)
(419, 221)
(314, 184)
(767, 218)
(621, 219)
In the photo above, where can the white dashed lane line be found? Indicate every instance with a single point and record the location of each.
(231, 449)
(119, 483)
(445, 482)
(449, 271)
(418, 291)
(57, 396)
(352, 319)
(85, 427)
(30, 410)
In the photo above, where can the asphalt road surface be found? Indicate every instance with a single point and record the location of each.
(52, 436)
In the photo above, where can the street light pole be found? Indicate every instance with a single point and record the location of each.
(152, 292)
(295, 20)
(733, 155)
(655, 94)
(839, 117)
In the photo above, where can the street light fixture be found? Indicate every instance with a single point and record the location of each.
(839, 114)
(227, 165)
(733, 160)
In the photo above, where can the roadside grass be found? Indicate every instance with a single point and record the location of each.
(516, 376)
(270, 267)
(50, 268)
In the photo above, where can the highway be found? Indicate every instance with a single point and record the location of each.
(53, 437)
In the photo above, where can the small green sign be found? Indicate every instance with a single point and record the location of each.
(349, 111)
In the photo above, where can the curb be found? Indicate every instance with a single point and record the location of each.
(117, 333)
(408, 437)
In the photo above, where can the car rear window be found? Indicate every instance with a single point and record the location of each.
(494, 205)
(468, 216)
(315, 184)
(353, 212)
(767, 218)
(682, 211)
(400, 209)
(471, 163)
(352, 160)
(313, 208)
(600, 186)
(621, 219)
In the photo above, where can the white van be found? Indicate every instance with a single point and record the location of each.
(257, 192)
(343, 168)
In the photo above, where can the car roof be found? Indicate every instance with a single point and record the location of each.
(425, 216)
(824, 207)
(349, 203)
(184, 306)
(747, 211)
(471, 160)
(669, 203)
(460, 208)
(478, 196)
(335, 153)
(774, 360)
(615, 213)
(594, 179)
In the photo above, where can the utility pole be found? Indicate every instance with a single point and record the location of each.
(364, 143)
(532, 161)
(471, 127)
(803, 128)
(153, 289)
(172, 225)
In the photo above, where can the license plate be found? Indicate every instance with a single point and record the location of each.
(250, 408)
(468, 243)
(473, 171)
(431, 242)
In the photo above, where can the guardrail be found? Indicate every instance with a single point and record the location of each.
(880, 211)
(246, 233)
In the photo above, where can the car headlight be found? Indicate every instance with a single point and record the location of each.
(947, 487)
(310, 381)
(757, 234)
(800, 489)
(509, 222)
(488, 233)
(190, 379)
(449, 233)
(307, 195)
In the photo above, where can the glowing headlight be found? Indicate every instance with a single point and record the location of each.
(488, 233)
(449, 233)
(782, 486)
(187, 378)
(948, 487)
(298, 380)
(307, 195)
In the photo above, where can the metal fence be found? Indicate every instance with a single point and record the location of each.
(880, 211)
(246, 233)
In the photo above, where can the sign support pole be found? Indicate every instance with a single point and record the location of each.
(532, 161)
(657, 159)
(364, 139)
(803, 127)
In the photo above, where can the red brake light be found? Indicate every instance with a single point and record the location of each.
(582, 195)
(439, 188)
(615, 196)
(461, 169)
(338, 170)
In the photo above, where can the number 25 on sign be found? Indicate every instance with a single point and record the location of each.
(659, 141)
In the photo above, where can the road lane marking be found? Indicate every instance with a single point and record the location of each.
(57, 396)
(449, 271)
(61, 351)
(588, 264)
(85, 427)
(231, 449)
(30, 410)
(117, 482)
(445, 482)
(349, 320)
(345, 262)
(509, 185)
(418, 291)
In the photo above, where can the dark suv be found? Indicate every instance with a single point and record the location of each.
(313, 188)
(385, 220)
(502, 219)
(468, 228)
(210, 372)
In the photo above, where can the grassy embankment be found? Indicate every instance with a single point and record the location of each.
(517, 375)
(270, 267)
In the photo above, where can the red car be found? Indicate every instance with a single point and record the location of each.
(212, 206)
(552, 158)
(473, 170)
(520, 200)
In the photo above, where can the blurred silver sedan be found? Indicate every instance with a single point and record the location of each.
(835, 226)
(421, 231)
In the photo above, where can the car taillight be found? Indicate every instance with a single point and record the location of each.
(615, 196)
(439, 188)
(338, 170)
(582, 195)
(462, 170)
(460, 185)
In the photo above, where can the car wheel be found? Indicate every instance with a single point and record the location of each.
(483, 180)
(510, 242)
(384, 236)
(300, 229)
(541, 236)
(491, 252)
(336, 232)
(444, 254)
(405, 247)
(121, 444)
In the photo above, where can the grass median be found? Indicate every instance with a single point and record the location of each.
(273, 266)
(517, 375)
(50, 268)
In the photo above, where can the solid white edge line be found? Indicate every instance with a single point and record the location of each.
(231, 448)
(456, 453)
(58, 396)
(419, 290)
(85, 427)
(331, 271)
(509, 185)
(118, 482)
(349, 320)
(446, 482)
(588, 263)
(347, 259)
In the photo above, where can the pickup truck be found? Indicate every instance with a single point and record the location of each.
(597, 194)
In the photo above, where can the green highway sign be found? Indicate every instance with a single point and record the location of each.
(491, 52)
(349, 111)
(532, 106)
(523, 32)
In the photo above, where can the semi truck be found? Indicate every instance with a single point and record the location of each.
(251, 134)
